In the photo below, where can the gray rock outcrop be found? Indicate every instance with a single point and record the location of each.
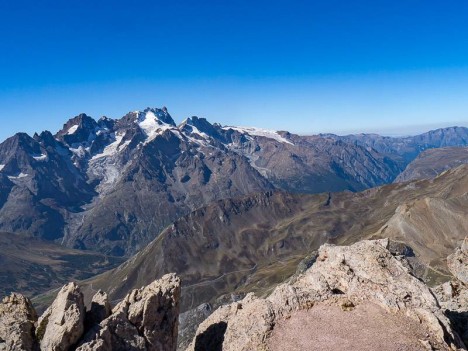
(371, 276)
(17, 320)
(458, 262)
(62, 324)
(453, 295)
(146, 319)
(365, 272)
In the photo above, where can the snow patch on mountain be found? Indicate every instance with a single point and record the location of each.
(1, 167)
(110, 177)
(266, 133)
(80, 151)
(195, 130)
(194, 135)
(148, 122)
(107, 170)
(72, 129)
(113, 148)
(41, 157)
(151, 125)
(105, 165)
(266, 172)
(21, 175)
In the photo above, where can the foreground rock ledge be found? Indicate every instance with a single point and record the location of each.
(453, 295)
(368, 286)
(146, 319)
(17, 323)
(365, 273)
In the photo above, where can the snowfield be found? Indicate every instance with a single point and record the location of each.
(270, 134)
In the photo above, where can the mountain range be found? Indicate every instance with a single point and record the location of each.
(117, 203)
(257, 240)
(113, 185)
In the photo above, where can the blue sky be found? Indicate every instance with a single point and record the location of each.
(394, 67)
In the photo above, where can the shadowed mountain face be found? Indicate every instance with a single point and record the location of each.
(113, 185)
(432, 162)
(40, 186)
(254, 242)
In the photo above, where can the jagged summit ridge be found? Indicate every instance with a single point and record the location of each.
(71, 185)
(81, 131)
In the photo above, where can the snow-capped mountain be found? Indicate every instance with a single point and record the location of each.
(114, 185)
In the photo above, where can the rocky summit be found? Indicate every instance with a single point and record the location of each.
(366, 295)
(361, 297)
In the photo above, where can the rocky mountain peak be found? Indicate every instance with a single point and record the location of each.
(106, 123)
(19, 140)
(150, 122)
(80, 121)
(62, 323)
(160, 114)
(78, 130)
(47, 139)
(200, 128)
(19, 148)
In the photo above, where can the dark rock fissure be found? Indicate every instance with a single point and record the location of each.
(212, 338)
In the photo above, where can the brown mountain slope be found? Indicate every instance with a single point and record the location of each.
(32, 266)
(432, 162)
(254, 242)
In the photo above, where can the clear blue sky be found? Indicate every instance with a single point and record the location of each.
(305, 66)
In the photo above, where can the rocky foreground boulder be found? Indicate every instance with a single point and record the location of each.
(361, 297)
(458, 263)
(146, 319)
(62, 324)
(365, 276)
(453, 295)
(17, 323)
